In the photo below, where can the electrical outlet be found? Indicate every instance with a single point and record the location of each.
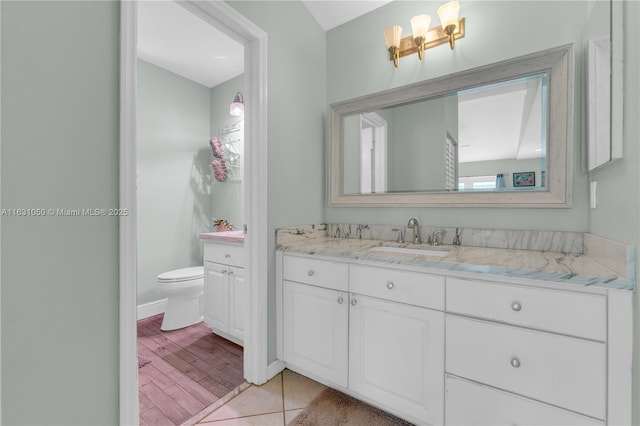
(594, 195)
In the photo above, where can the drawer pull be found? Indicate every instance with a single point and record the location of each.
(340, 300)
(515, 362)
(516, 306)
(310, 272)
(353, 302)
(225, 272)
(227, 255)
(390, 285)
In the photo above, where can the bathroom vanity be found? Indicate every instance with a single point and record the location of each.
(448, 339)
(225, 289)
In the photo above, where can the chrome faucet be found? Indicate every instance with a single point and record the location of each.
(413, 224)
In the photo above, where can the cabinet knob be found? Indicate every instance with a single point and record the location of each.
(340, 300)
(516, 306)
(225, 272)
(227, 256)
(310, 272)
(353, 302)
(390, 285)
(230, 272)
(515, 362)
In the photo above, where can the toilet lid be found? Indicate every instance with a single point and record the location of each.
(184, 274)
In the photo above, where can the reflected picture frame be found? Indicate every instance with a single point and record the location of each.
(523, 179)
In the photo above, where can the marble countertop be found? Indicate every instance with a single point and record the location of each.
(578, 269)
(224, 236)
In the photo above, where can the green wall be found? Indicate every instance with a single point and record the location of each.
(174, 180)
(227, 198)
(296, 107)
(60, 72)
(358, 64)
(618, 212)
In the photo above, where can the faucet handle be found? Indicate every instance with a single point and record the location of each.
(434, 238)
(400, 238)
(456, 240)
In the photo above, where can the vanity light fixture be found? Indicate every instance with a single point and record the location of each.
(237, 106)
(450, 29)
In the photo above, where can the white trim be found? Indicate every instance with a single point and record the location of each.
(0, 252)
(129, 406)
(274, 368)
(617, 78)
(150, 309)
(232, 23)
(620, 358)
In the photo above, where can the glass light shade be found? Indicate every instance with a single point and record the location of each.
(420, 25)
(393, 35)
(448, 14)
(237, 106)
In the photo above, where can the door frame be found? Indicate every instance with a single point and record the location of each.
(232, 23)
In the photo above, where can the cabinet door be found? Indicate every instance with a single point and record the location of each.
(216, 296)
(397, 356)
(238, 302)
(316, 331)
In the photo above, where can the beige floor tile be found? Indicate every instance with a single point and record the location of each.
(291, 414)
(255, 400)
(274, 419)
(299, 391)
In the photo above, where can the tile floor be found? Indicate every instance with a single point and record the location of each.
(276, 402)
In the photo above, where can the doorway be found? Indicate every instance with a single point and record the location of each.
(229, 21)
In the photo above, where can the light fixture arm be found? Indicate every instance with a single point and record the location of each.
(394, 55)
(420, 43)
(450, 31)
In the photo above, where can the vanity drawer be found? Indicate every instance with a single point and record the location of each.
(322, 273)
(470, 404)
(413, 288)
(576, 314)
(559, 370)
(226, 254)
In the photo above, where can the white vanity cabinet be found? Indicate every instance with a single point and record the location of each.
(367, 331)
(225, 291)
(458, 348)
(542, 349)
(396, 355)
(316, 317)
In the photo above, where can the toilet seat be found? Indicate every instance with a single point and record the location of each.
(180, 275)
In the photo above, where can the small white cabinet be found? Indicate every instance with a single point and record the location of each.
(225, 291)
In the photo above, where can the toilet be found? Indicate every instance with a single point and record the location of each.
(183, 289)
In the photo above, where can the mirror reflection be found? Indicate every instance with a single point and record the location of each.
(492, 137)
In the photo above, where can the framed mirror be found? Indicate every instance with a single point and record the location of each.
(497, 135)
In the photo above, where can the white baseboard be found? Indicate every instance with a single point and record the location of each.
(152, 308)
(274, 368)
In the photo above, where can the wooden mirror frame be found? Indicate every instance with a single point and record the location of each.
(558, 62)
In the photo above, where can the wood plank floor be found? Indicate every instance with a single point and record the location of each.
(190, 369)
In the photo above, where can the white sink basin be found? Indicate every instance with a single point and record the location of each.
(416, 251)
